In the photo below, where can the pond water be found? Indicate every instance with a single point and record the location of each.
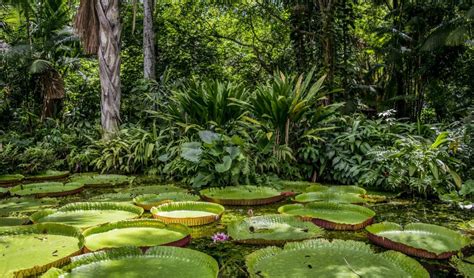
(231, 256)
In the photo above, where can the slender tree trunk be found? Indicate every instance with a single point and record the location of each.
(109, 64)
(148, 40)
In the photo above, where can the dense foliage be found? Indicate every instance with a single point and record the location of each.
(377, 93)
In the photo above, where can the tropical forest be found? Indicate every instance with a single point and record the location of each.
(222, 139)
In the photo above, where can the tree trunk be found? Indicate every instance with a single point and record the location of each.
(109, 64)
(148, 40)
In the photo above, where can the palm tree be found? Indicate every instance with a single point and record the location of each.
(98, 25)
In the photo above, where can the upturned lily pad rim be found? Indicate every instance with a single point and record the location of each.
(216, 209)
(141, 223)
(68, 189)
(49, 175)
(413, 267)
(238, 235)
(201, 259)
(9, 180)
(336, 188)
(329, 196)
(35, 217)
(167, 197)
(41, 229)
(375, 229)
(329, 224)
(273, 195)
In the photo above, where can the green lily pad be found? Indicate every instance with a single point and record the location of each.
(339, 258)
(272, 230)
(158, 261)
(113, 197)
(332, 216)
(30, 250)
(13, 221)
(242, 195)
(333, 197)
(295, 186)
(152, 189)
(17, 205)
(92, 180)
(3, 191)
(10, 179)
(188, 212)
(139, 233)
(467, 226)
(147, 201)
(418, 239)
(88, 214)
(337, 189)
(49, 175)
(44, 189)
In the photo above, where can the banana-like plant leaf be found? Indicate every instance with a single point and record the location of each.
(338, 258)
(418, 239)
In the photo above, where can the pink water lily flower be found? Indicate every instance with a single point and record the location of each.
(220, 237)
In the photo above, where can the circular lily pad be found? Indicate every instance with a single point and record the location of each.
(147, 201)
(272, 230)
(337, 189)
(113, 197)
(10, 179)
(333, 197)
(3, 191)
(142, 233)
(30, 250)
(339, 258)
(88, 214)
(189, 213)
(295, 186)
(49, 175)
(93, 180)
(418, 239)
(242, 195)
(13, 221)
(158, 261)
(332, 216)
(47, 189)
(153, 189)
(16, 205)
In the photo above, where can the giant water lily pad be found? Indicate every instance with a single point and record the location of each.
(21, 205)
(29, 250)
(158, 261)
(44, 189)
(49, 175)
(88, 214)
(272, 230)
(189, 213)
(139, 233)
(294, 186)
(336, 188)
(13, 221)
(92, 180)
(332, 216)
(242, 195)
(147, 201)
(418, 239)
(113, 197)
(10, 179)
(333, 197)
(152, 189)
(3, 191)
(339, 258)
